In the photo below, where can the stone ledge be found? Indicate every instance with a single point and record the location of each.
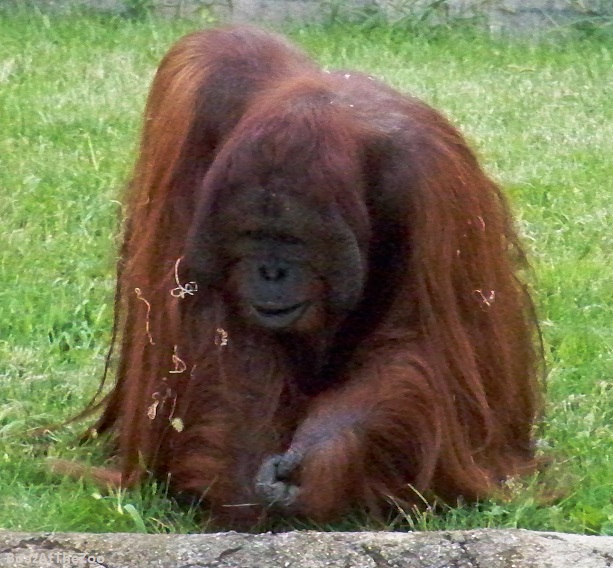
(309, 549)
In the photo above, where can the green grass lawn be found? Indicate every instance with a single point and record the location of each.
(71, 94)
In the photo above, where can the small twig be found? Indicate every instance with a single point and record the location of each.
(139, 295)
(182, 290)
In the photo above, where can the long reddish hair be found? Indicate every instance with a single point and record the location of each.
(429, 384)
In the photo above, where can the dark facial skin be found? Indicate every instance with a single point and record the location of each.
(281, 263)
(275, 283)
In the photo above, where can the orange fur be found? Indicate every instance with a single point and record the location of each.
(103, 476)
(430, 384)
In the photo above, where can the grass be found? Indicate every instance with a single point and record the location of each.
(73, 88)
